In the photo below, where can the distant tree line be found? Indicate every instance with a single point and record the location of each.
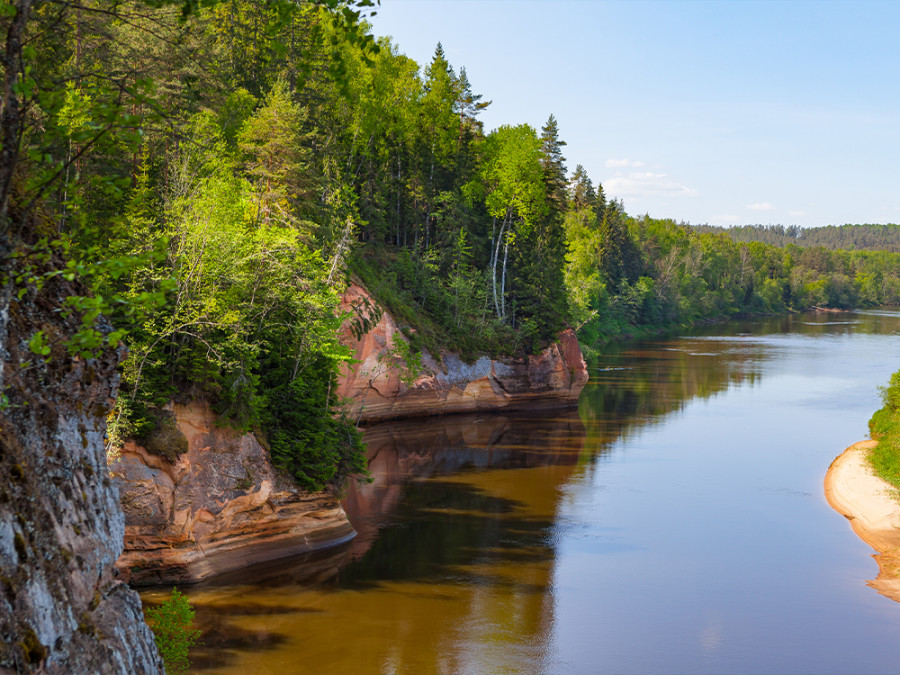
(627, 275)
(848, 237)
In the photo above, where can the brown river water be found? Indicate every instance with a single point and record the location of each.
(674, 523)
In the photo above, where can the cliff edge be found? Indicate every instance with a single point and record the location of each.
(218, 507)
(62, 608)
(381, 386)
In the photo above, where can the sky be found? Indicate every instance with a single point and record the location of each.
(711, 111)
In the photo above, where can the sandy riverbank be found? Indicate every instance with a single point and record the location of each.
(868, 502)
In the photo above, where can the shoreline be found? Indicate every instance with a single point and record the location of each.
(853, 490)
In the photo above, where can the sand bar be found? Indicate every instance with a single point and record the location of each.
(873, 509)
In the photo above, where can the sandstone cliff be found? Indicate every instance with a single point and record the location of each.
(62, 609)
(380, 387)
(218, 507)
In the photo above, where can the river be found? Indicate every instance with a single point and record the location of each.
(674, 523)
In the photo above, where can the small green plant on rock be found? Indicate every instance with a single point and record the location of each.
(172, 624)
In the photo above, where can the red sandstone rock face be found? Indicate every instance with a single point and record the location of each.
(376, 388)
(220, 507)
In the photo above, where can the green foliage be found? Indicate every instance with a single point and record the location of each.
(173, 629)
(885, 428)
(890, 394)
(305, 437)
(626, 276)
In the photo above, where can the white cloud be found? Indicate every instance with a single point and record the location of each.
(647, 184)
(763, 206)
(623, 164)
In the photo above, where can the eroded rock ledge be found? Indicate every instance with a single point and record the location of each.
(380, 387)
(219, 507)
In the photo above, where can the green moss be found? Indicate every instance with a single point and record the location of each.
(21, 547)
(165, 438)
(32, 649)
(86, 625)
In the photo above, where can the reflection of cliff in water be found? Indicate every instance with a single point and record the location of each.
(459, 519)
(451, 571)
(402, 452)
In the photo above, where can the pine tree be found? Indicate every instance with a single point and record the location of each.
(581, 190)
(620, 258)
(553, 165)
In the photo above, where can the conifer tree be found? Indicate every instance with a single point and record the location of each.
(553, 165)
(581, 190)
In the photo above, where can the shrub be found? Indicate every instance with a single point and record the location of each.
(172, 624)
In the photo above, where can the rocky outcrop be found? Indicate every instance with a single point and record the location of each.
(62, 608)
(218, 507)
(380, 385)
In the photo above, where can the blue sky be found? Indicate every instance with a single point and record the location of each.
(707, 111)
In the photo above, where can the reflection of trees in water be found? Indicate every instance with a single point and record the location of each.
(400, 452)
(635, 385)
(478, 539)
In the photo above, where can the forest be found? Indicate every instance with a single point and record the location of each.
(214, 177)
(849, 237)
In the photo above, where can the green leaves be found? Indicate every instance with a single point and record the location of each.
(513, 174)
(38, 344)
(173, 629)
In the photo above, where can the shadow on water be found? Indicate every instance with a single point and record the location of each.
(441, 530)
(222, 638)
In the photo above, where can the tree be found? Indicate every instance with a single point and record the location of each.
(581, 190)
(515, 195)
(172, 624)
(553, 165)
(278, 158)
(620, 259)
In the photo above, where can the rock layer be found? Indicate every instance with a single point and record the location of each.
(62, 609)
(380, 386)
(219, 507)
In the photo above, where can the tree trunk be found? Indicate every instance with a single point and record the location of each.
(12, 111)
(503, 281)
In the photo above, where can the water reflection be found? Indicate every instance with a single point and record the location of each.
(450, 571)
(402, 453)
(671, 524)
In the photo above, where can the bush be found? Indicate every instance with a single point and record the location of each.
(885, 428)
(172, 624)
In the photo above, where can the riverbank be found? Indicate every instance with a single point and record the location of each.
(869, 503)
